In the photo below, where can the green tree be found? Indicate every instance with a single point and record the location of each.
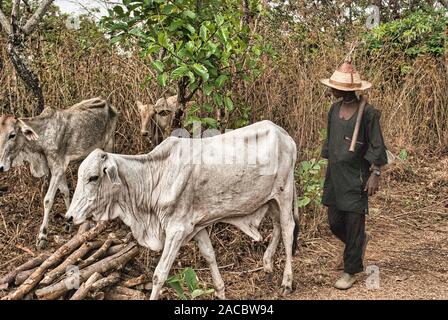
(193, 45)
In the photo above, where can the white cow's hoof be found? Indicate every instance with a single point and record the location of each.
(41, 244)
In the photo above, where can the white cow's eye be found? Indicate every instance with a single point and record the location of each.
(93, 178)
(12, 136)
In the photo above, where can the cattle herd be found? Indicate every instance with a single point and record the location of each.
(170, 195)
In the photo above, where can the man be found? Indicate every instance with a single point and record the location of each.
(351, 177)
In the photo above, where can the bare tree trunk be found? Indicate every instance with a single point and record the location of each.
(18, 59)
(15, 46)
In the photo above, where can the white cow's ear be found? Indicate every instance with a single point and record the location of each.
(112, 173)
(27, 131)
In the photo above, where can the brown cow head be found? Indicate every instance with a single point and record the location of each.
(146, 114)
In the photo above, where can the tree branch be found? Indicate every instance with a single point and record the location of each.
(5, 24)
(15, 16)
(36, 17)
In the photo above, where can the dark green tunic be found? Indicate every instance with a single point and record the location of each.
(347, 172)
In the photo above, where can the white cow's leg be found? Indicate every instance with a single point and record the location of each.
(287, 228)
(48, 204)
(272, 247)
(173, 241)
(207, 251)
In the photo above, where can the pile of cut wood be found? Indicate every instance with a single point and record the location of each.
(82, 268)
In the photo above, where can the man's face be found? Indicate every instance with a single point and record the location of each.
(337, 93)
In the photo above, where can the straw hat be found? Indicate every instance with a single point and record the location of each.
(346, 78)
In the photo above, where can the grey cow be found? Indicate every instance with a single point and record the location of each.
(50, 141)
(170, 195)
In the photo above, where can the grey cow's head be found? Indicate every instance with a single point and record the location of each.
(97, 189)
(13, 135)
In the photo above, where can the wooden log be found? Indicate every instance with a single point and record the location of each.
(86, 226)
(55, 258)
(97, 295)
(133, 282)
(97, 254)
(30, 264)
(115, 249)
(84, 289)
(119, 245)
(116, 261)
(22, 276)
(70, 261)
(111, 279)
(123, 293)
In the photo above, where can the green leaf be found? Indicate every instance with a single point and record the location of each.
(212, 47)
(208, 88)
(207, 107)
(212, 123)
(403, 155)
(197, 293)
(220, 80)
(190, 279)
(158, 65)
(190, 14)
(190, 46)
(201, 70)
(138, 33)
(191, 77)
(116, 39)
(178, 288)
(152, 48)
(175, 25)
(224, 36)
(190, 28)
(162, 39)
(167, 9)
(179, 72)
(228, 103)
(219, 19)
(203, 32)
(119, 10)
(162, 78)
(217, 99)
(191, 119)
(303, 202)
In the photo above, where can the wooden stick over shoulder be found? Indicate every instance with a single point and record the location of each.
(358, 123)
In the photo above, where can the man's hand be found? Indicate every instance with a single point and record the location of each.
(372, 184)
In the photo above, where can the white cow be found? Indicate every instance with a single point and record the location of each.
(170, 195)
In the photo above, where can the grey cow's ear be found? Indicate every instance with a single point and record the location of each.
(112, 173)
(27, 131)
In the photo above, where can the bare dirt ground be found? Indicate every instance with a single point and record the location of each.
(408, 222)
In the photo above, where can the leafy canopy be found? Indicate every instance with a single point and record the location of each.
(195, 45)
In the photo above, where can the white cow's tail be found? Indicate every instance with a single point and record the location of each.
(296, 219)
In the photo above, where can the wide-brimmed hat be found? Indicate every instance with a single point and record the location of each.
(346, 78)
